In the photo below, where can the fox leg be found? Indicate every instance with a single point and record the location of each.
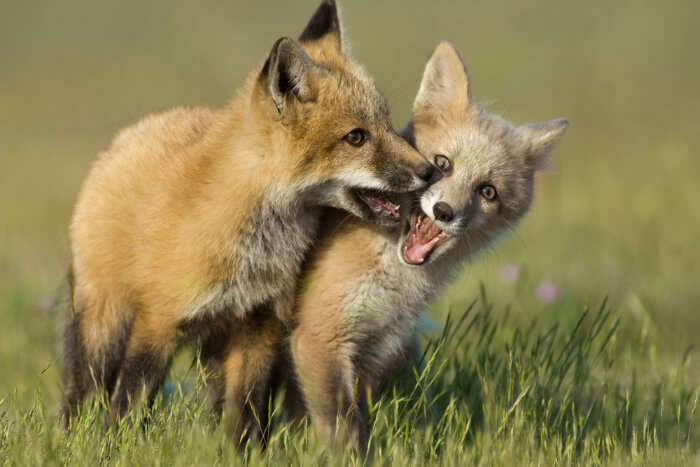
(77, 382)
(240, 367)
(284, 376)
(284, 379)
(334, 394)
(90, 362)
(148, 354)
(213, 352)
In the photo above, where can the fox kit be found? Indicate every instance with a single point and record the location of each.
(195, 222)
(365, 285)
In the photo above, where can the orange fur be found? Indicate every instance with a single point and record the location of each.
(198, 217)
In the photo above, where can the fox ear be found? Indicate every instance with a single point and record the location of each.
(325, 27)
(445, 86)
(287, 74)
(542, 138)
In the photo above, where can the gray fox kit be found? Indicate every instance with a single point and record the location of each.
(365, 285)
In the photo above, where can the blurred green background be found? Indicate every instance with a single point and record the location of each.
(618, 216)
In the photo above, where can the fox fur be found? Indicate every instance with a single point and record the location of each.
(359, 299)
(195, 222)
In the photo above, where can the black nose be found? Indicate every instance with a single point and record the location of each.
(443, 211)
(426, 172)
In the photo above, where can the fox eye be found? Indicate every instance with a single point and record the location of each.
(443, 163)
(488, 192)
(356, 137)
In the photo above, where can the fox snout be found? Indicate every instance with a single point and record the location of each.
(452, 217)
(403, 167)
(443, 212)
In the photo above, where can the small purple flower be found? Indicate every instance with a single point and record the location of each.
(509, 274)
(547, 292)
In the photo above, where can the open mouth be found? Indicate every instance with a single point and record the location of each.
(379, 203)
(424, 236)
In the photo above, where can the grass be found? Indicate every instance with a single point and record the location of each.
(484, 395)
(616, 218)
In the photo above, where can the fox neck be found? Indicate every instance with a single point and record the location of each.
(251, 219)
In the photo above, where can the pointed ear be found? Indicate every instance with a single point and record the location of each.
(445, 86)
(287, 74)
(325, 27)
(542, 138)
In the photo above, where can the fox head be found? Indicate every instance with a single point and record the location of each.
(487, 164)
(334, 124)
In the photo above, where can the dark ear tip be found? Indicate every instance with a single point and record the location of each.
(281, 42)
(274, 50)
(330, 4)
(323, 21)
(283, 46)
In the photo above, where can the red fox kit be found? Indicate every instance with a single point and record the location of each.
(195, 222)
(366, 285)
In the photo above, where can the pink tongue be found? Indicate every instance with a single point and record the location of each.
(418, 249)
(416, 252)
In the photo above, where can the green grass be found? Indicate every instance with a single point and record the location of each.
(484, 395)
(616, 218)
